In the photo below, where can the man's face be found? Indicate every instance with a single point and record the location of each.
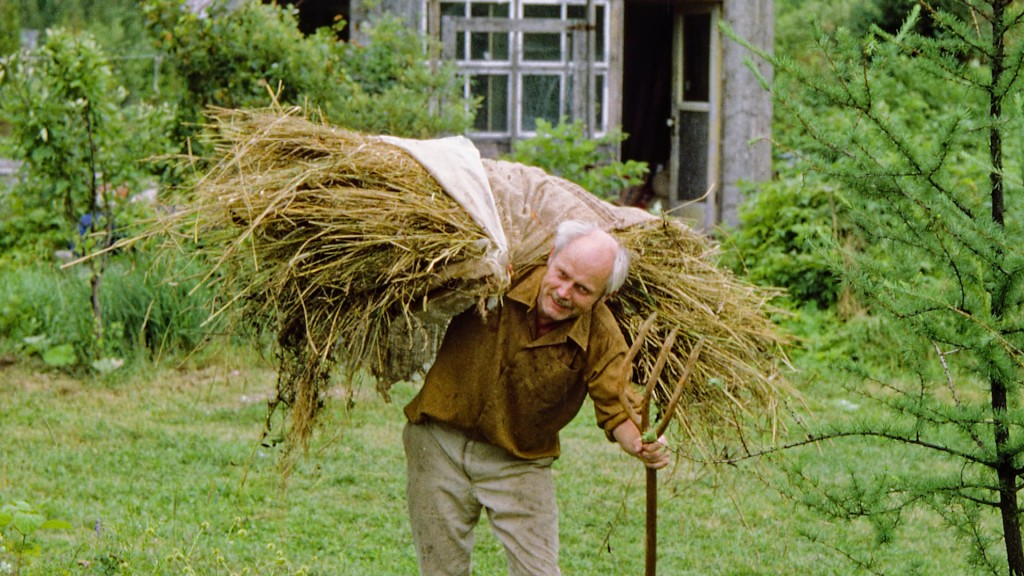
(575, 279)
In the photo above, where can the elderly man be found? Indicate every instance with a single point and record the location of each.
(483, 430)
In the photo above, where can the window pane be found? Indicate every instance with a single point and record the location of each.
(580, 13)
(489, 10)
(541, 99)
(542, 11)
(598, 106)
(453, 9)
(542, 47)
(457, 9)
(487, 46)
(492, 89)
(696, 57)
(693, 155)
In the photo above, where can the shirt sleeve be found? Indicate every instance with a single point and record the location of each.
(610, 376)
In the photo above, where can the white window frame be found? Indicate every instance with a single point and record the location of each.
(583, 69)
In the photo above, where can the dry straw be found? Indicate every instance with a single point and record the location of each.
(332, 240)
(325, 238)
(736, 382)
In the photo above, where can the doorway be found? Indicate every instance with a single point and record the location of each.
(647, 83)
(670, 92)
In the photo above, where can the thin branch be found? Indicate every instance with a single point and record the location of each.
(817, 438)
(945, 369)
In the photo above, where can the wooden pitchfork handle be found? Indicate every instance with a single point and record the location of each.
(651, 552)
(643, 423)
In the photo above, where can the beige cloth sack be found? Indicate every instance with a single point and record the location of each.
(532, 203)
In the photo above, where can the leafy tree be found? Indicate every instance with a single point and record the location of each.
(236, 57)
(118, 26)
(927, 150)
(81, 148)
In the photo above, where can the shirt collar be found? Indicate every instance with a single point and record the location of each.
(525, 290)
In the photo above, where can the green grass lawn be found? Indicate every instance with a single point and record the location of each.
(164, 474)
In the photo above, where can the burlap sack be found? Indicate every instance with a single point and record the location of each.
(531, 204)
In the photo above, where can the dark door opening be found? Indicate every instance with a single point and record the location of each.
(314, 14)
(647, 83)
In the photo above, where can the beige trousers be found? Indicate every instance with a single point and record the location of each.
(452, 478)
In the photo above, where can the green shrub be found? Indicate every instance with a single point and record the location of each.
(10, 28)
(392, 90)
(565, 151)
(784, 225)
(235, 58)
(76, 136)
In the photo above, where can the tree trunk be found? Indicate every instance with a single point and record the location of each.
(95, 279)
(1005, 469)
(995, 143)
(1007, 482)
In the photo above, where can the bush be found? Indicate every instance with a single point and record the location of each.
(76, 136)
(391, 90)
(237, 58)
(10, 28)
(565, 151)
(784, 225)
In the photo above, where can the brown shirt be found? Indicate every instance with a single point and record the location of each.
(494, 380)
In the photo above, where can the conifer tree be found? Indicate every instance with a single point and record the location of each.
(924, 135)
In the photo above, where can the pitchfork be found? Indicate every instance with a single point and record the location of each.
(643, 422)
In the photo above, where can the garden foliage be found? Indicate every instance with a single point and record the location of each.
(919, 131)
(784, 226)
(86, 143)
(565, 150)
(81, 148)
(10, 28)
(78, 140)
(237, 57)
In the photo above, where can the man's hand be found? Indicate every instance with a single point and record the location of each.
(654, 455)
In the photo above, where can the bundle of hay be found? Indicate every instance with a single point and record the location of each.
(737, 378)
(337, 241)
(326, 239)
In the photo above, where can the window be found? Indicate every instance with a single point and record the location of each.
(529, 60)
(696, 121)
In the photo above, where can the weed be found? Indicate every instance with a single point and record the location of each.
(22, 521)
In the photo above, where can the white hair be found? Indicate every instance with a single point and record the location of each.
(570, 230)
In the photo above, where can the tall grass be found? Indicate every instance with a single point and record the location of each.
(149, 308)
